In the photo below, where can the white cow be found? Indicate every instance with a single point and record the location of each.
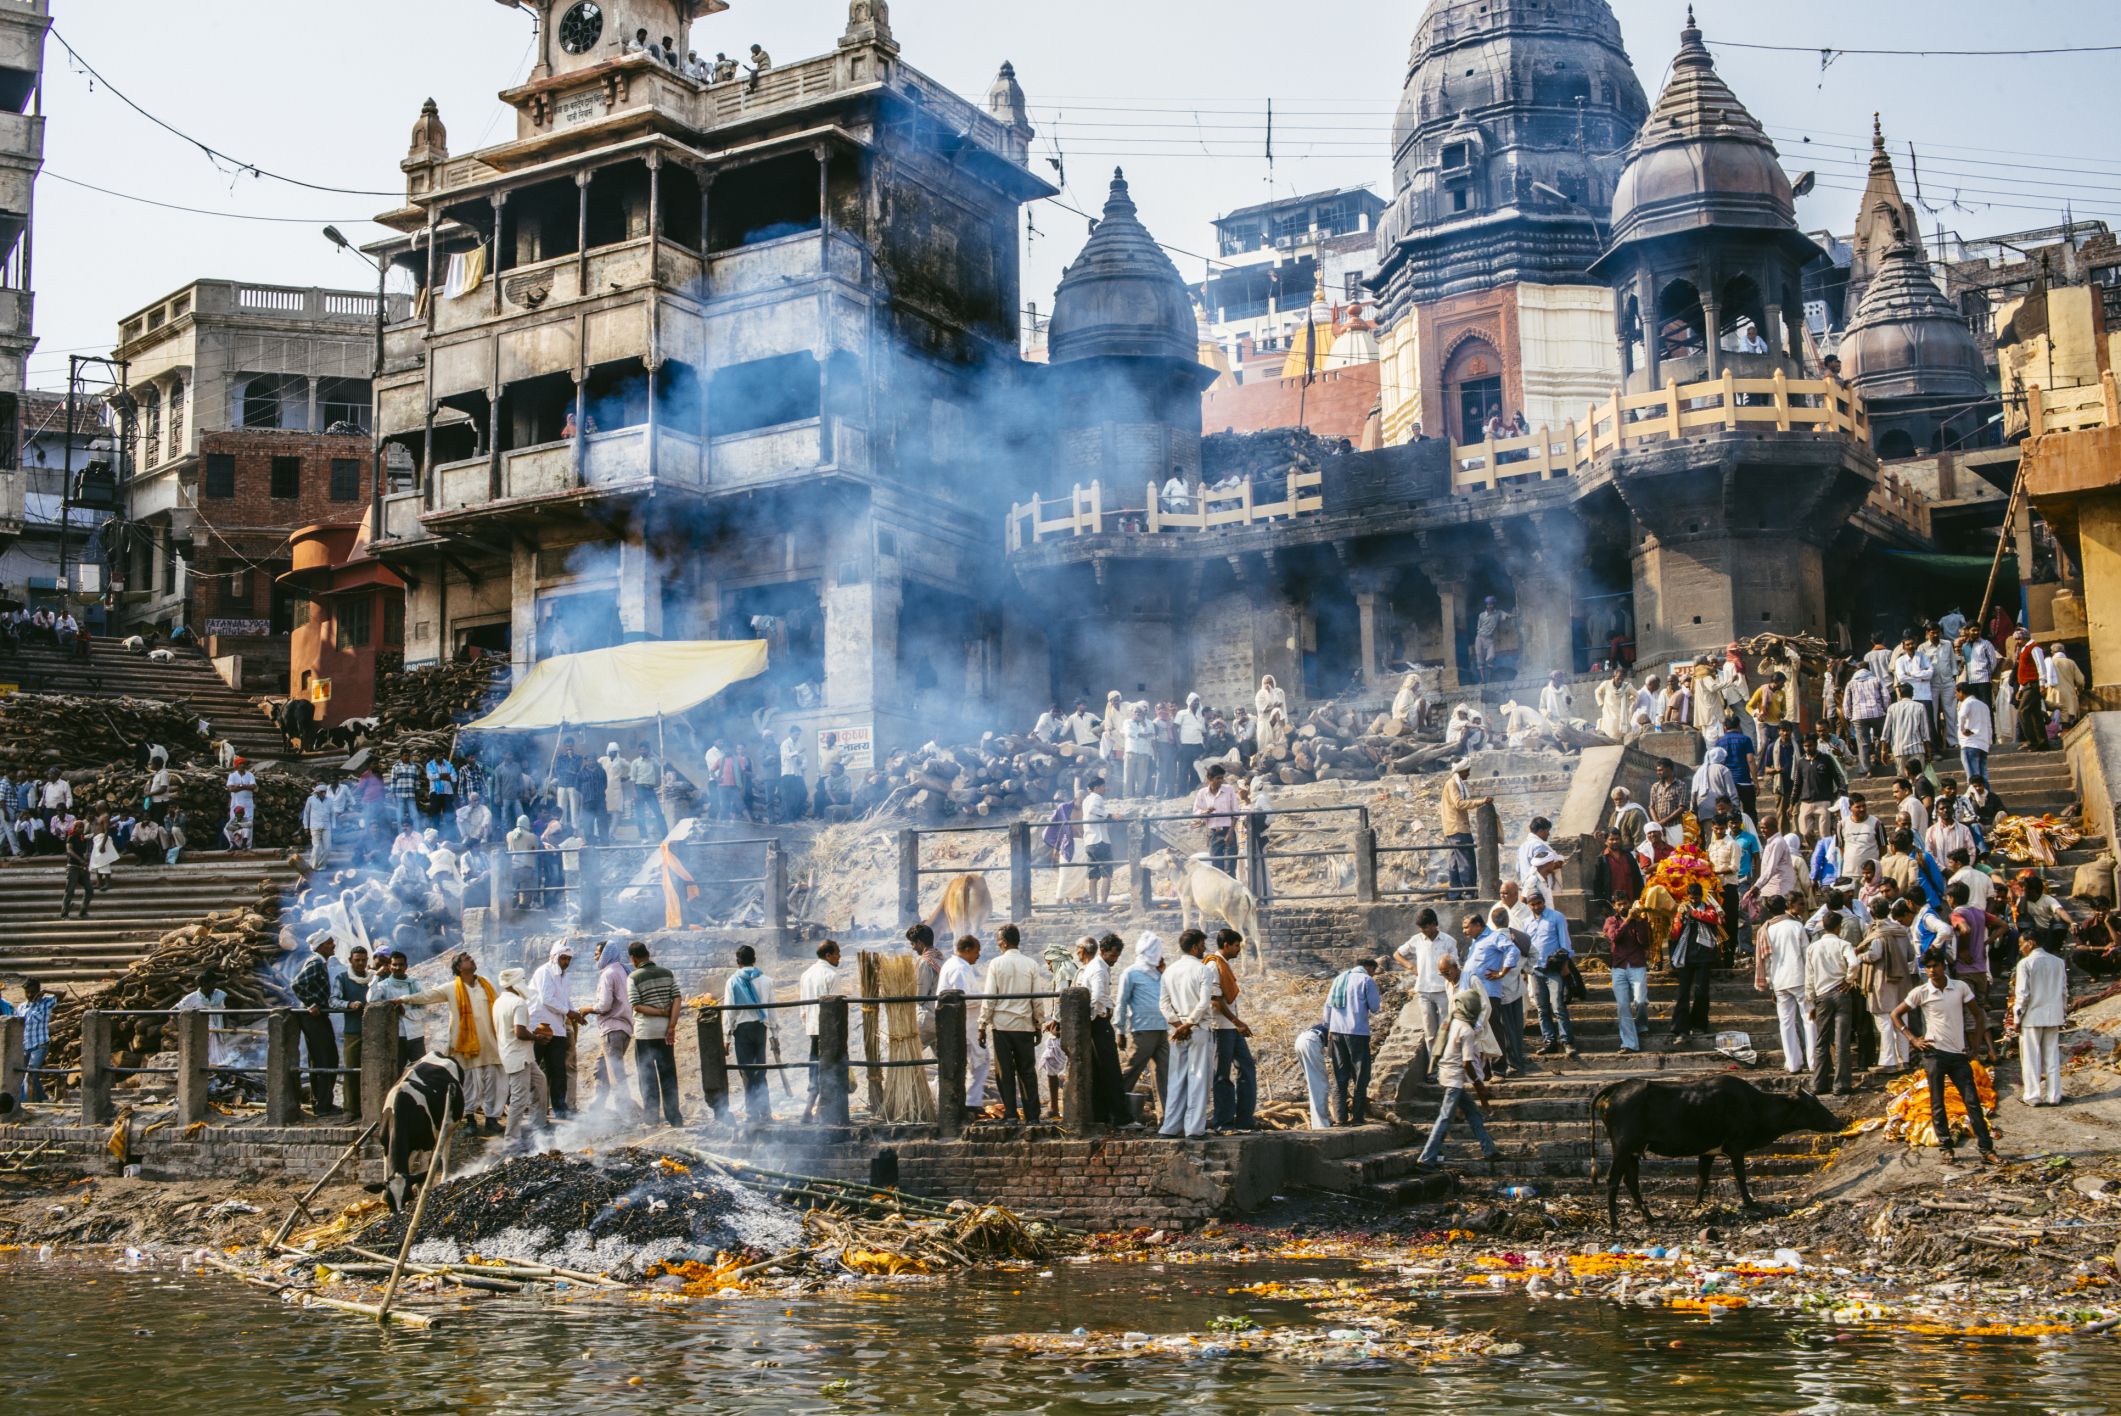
(1203, 891)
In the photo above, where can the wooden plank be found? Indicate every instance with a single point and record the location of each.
(1781, 392)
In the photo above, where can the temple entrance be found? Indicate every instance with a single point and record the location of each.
(1472, 383)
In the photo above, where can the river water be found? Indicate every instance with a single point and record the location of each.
(76, 1335)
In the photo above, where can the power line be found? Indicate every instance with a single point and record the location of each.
(1919, 53)
(199, 211)
(213, 153)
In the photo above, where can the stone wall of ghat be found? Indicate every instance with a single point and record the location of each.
(205, 1152)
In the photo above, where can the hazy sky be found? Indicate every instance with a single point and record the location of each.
(327, 91)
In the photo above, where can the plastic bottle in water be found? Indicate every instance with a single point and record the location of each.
(1520, 1192)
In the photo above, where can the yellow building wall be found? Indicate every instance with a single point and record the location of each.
(2071, 355)
(1399, 382)
(1566, 350)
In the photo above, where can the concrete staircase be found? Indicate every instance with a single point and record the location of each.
(2030, 783)
(190, 679)
(144, 903)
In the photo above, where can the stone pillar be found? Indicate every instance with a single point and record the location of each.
(1487, 851)
(1451, 601)
(96, 1108)
(909, 879)
(522, 608)
(283, 1083)
(12, 1061)
(950, 1065)
(1020, 871)
(714, 1063)
(309, 416)
(193, 1040)
(774, 873)
(379, 1059)
(640, 588)
(861, 619)
(831, 1062)
(1545, 600)
(1075, 1041)
(1370, 608)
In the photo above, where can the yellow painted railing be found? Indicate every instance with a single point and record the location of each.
(2074, 409)
(1091, 510)
(1729, 404)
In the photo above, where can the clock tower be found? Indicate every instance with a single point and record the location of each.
(575, 34)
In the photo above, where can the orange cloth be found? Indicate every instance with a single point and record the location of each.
(467, 1044)
(673, 906)
(1228, 976)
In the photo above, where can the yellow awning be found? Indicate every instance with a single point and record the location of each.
(628, 683)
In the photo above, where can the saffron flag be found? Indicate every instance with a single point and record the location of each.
(673, 903)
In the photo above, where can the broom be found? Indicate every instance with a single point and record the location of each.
(906, 1093)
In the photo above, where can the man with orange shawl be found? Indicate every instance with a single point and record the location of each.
(471, 1038)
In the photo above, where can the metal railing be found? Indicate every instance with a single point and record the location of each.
(591, 880)
(1143, 837)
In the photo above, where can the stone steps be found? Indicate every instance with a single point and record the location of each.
(112, 673)
(146, 903)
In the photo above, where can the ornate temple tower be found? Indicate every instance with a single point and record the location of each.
(1737, 479)
(1504, 157)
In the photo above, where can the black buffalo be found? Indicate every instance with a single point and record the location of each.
(1700, 1118)
(412, 1119)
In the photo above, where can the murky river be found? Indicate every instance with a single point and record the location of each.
(79, 1336)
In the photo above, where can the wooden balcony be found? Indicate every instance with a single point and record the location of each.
(1092, 511)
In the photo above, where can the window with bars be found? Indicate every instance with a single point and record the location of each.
(346, 479)
(354, 621)
(150, 429)
(287, 477)
(176, 418)
(220, 481)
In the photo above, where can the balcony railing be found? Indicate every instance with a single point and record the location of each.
(1088, 510)
(1729, 404)
(2074, 409)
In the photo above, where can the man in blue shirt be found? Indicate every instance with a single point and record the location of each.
(1738, 755)
(1551, 952)
(1493, 959)
(36, 1011)
(1138, 1015)
(1349, 1004)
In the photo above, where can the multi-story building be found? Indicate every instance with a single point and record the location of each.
(249, 405)
(716, 359)
(1505, 151)
(1271, 257)
(33, 566)
(23, 24)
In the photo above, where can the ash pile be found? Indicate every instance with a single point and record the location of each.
(619, 1213)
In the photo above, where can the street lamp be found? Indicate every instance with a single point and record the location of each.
(375, 471)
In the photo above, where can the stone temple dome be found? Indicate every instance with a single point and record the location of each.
(1122, 297)
(1525, 86)
(1701, 160)
(1907, 340)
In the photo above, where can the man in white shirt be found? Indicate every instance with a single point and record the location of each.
(1979, 883)
(1083, 727)
(1908, 730)
(1913, 813)
(960, 976)
(316, 819)
(1555, 699)
(553, 1016)
(1192, 723)
(1049, 726)
(820, 980)
(2040, 1004)
(794, 795)
(1977, 729)
(1138, 741)
(1537, 862)
(1108, 1103)
(1189, 990)
(1829, 985)
(1097, 840)
(1912, 669)
(529, 1096)
(1977, 663)
(1430, 1007)
(1945, 1002)
(1011, 1025)
(1779, 965)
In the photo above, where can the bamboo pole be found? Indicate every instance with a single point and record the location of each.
(419, 1207)
(306, 1299)
(301, 1206)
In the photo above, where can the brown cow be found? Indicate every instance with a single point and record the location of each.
(967, 905)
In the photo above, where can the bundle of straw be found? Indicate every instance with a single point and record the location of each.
(906, 1092)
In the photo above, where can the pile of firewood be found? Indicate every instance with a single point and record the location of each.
(1340, 745)
(994, 774)
(203, 795)
(438, 696)
(235, 943)
(40, 730)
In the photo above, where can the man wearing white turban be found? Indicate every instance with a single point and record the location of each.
(1139, 1017)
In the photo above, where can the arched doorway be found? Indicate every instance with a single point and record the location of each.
(1472, 386)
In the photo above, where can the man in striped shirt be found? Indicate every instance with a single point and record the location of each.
(653, 992)
(405, 788)
(36, 1013)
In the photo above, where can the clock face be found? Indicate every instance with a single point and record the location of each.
(581, 27)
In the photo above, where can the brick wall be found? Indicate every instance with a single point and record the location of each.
(216, 1152)
(256, 521)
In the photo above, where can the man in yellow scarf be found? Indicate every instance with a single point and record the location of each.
(471, 1038)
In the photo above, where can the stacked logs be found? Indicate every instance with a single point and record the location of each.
(40, 730)
(1340, 745)
(438, 696)
(202, 793)
(235, 943)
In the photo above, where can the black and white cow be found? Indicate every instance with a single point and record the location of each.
(412, 1119)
